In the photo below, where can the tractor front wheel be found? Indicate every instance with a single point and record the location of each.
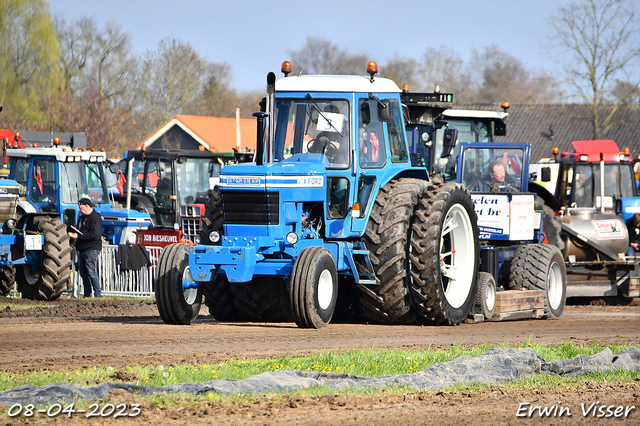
(7, 279)
(178, 301)
(50, 278)
(314, 288)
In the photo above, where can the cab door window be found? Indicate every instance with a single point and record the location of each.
(397, 144)
(43, 181)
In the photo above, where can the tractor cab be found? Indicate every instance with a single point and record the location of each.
(53, 179)
(171, 186)
(596, 175)
(434, 129)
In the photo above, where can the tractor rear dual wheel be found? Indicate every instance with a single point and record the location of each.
(445, 255)
(424, 247)
(7, 279)
(49, 280)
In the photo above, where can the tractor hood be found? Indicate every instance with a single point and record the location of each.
(123, 217)
(306, 171)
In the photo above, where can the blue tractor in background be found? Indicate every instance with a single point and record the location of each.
(51, 180)
(510, 227)
(34, 247)
(332, 209)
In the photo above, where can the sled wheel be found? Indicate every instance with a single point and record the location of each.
(541, 267)
(177, 303)
(486, 295)
(314, 288)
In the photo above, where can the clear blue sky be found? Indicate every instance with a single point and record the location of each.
(254, 37)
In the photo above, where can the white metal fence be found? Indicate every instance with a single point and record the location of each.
(116, 282)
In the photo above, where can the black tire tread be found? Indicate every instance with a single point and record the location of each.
(530, 267)
(428, 293)
(56, 265)
(386, 239)
(219, 299)
(169, 294)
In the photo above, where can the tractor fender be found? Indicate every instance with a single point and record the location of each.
(26, 207)
(542, 192)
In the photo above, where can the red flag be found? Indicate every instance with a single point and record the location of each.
(39, 181)
(121, 182)
(375, 146)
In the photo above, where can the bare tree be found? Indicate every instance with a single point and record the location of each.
(318, 56)
(76, 44)
(403, 71)
(626, 93)
(445, 70)
(504, 78)
(598, 40)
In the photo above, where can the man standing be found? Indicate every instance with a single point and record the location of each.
(88, 245)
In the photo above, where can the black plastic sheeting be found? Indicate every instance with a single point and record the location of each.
(494, 366)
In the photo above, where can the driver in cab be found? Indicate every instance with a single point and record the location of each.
(329, 141)
(498, 180)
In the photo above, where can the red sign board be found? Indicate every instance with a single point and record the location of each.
(157, 237)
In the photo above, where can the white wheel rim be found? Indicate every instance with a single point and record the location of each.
(457, 262)
(554, 286)
(325, 289)
(490, 295)
(189, 294)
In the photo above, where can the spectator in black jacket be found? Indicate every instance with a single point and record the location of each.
(88, 245)
(633, 226)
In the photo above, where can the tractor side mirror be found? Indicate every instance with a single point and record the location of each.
(500, 128)
(161, 170)
(365, 113)
(545, 174)
(384, 110)
(449, 142)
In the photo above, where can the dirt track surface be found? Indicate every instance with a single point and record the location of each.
(86, 333)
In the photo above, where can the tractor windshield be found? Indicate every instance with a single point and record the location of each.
(468, 131)
(313, 126)
(618, 183)
(82, 179)
(492, 170)
(195, 177)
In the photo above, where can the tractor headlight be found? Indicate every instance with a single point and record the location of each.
(292, 238)
(214, 236)
(11, 223)
(196, 239)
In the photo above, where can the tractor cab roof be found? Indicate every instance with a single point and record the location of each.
(174, 154)
(333, 83)
(592, 151)
(62, 154)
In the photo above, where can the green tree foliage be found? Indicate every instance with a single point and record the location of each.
(29, 54)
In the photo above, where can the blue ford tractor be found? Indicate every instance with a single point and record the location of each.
(51, 181)
(332, 208)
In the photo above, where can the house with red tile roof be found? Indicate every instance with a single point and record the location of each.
(192, 131)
